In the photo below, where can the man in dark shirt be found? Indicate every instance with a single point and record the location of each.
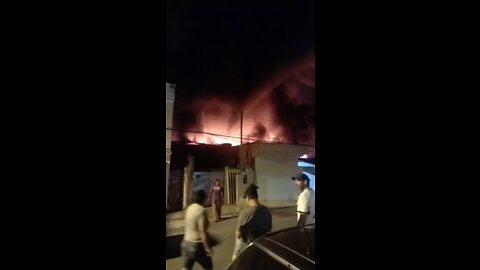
(253, 222)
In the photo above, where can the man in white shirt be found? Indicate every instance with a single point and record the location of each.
(306, 200)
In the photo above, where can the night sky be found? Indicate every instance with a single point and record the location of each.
(225, 50)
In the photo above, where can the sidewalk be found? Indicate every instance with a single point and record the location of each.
(175, 222)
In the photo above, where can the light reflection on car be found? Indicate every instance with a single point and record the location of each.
(292, 248)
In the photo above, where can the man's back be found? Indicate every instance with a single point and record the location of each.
(254, 222)
(193, 213)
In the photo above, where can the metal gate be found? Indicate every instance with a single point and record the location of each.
(230, 186)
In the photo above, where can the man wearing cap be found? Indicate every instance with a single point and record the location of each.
(306, 200)
(253, 221)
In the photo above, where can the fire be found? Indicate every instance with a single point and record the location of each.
(222, 122)
(216, 131)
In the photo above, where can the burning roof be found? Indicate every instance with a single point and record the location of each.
(280, 110)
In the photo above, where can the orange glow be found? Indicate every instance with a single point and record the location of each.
(217, 127)
(220, 121)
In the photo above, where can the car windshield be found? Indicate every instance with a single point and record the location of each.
(252, 258)
(300, 240)
(294, 247)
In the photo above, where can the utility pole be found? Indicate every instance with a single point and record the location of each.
(241, 127)
(295, 130)
(295, 139)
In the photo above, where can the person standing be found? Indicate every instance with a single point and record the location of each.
(216, 199)
(253, 221)
(195, 247)
(306, 200)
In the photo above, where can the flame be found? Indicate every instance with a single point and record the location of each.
(218, 132)
(216, 115)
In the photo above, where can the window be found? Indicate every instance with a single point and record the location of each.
(301, 240)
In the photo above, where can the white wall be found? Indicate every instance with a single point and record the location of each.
(170, 99)
(275, 165)
(274, 179)
(241, 186)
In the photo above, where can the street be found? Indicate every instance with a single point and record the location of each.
(224, 231)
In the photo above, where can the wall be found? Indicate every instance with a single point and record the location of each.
(175, 191)
(275, 179)
(187, 181)
(205, 180)
(247, 153)
(243, 181)
(170, 99)
(274, 166)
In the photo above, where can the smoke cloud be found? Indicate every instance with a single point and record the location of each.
(279, 109)
(259, 131)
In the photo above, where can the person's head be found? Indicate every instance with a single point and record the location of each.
(199, 196)
(301, 181)
(251, 194)
(217, 182)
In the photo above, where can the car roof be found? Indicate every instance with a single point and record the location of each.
(297, 240)
(293, 247)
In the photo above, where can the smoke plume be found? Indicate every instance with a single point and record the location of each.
(280, 109)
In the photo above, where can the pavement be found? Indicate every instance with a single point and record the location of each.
(223, 231)
(175, 222)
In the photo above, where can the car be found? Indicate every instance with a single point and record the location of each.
(292, 248)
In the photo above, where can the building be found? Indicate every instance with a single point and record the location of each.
(269, 165)
(170, 99)
(196, 166)
(271, 168)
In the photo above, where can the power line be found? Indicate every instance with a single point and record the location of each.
(209, 133)
(203, 112)
(248, 117)
(235, 137)
(245, 118)
(190, 109)
(256, 119)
